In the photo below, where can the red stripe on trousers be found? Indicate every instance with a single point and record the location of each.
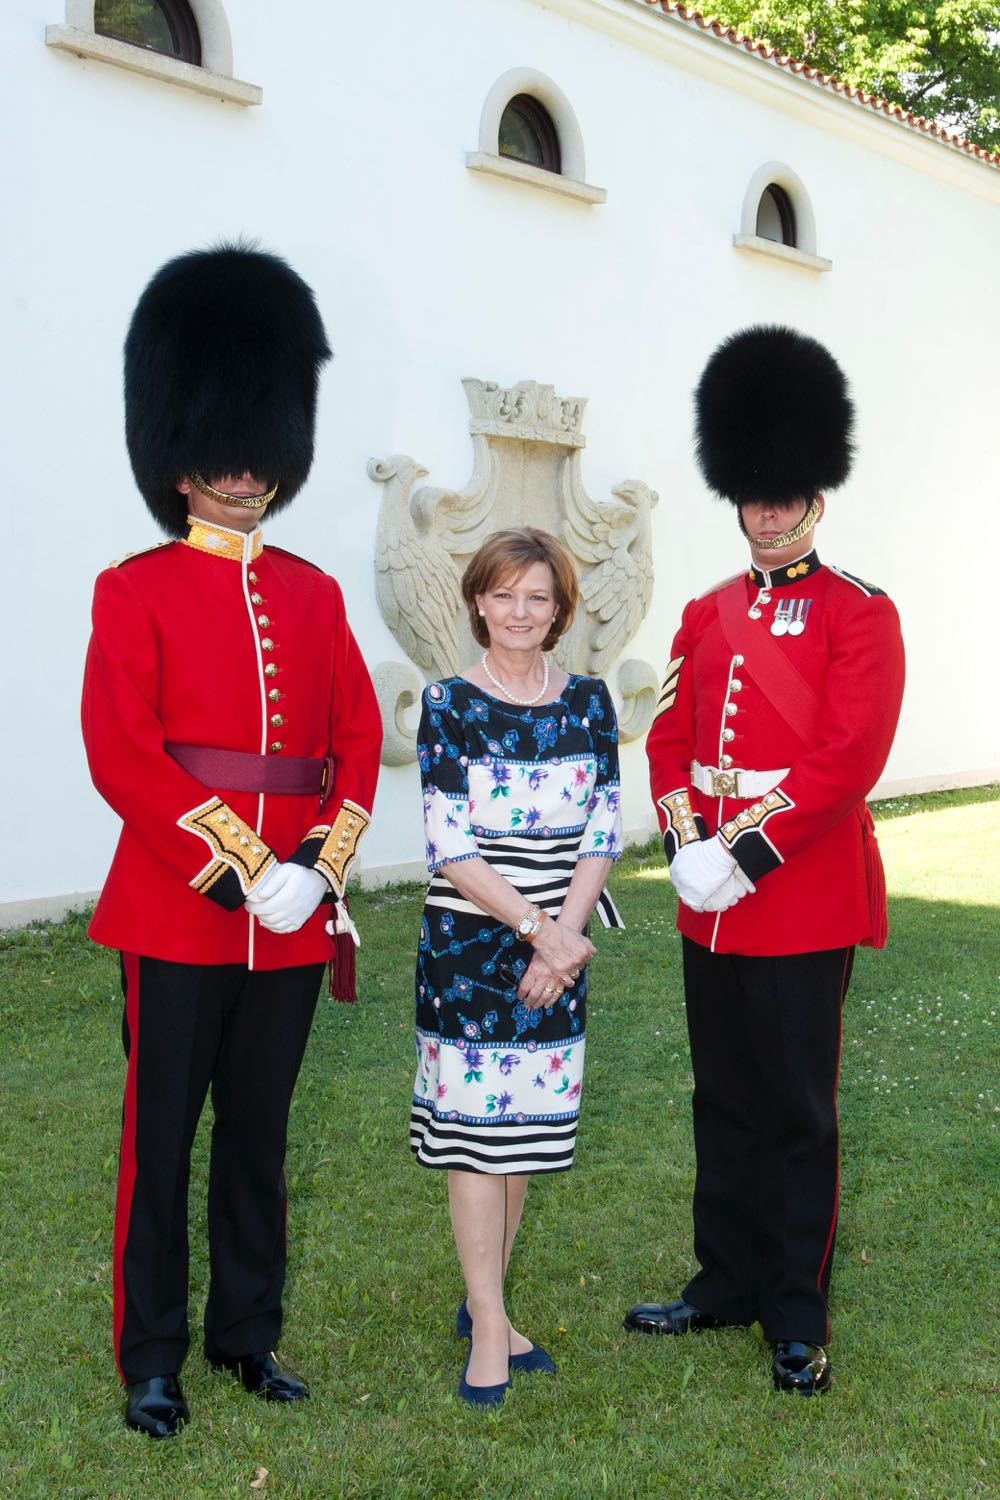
(126, 1160)
(836, 1115)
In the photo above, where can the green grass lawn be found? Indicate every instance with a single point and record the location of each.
(373, 1280)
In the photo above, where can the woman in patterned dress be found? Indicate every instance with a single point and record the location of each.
(519, 766)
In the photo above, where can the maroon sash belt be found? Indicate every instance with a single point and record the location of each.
(239, 771)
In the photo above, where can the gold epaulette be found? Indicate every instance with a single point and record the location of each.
(153, 547)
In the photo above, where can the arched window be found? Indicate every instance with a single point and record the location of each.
(776, 216)
(528, 133)
(166, 26)
(185, 43)
(777, 219)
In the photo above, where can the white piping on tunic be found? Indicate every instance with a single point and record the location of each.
(245, 562)
(721, 752)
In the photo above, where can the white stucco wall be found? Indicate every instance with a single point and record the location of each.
(353, 167)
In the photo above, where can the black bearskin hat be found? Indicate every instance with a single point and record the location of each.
(773, 417)
(222, 362)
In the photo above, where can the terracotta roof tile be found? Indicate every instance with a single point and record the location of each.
(768, 54)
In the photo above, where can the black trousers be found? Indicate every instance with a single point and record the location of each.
(765, 1046)
(187, 1028)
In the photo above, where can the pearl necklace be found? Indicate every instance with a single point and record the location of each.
(524, 702)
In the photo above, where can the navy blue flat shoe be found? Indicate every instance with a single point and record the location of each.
(481, 1395)
(536, 1361)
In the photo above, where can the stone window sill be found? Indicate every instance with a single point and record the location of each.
(787, 253)
(520, 171)
(152, 64)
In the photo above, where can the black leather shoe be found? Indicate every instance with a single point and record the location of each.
(263, 1375)
(156, 1406)
(672, 1317)
(799, 1367)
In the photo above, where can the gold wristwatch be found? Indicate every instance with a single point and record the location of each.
(531, 923)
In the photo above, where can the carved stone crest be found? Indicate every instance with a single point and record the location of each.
(526, 444)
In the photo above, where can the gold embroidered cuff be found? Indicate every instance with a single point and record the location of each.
(234, 845)
(340, 844)
(753, 818)
(682, 822)
(668, 691)
(745, 839)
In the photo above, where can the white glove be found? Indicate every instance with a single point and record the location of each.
(730, 891)
(272, 882)
(286, 897)
(699, 869)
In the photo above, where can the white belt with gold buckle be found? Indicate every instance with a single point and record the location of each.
(715, 782)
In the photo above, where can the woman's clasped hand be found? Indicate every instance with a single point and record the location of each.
(560, 953)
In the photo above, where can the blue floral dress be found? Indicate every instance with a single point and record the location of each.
(532, 790)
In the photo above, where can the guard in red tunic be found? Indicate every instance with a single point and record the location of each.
(231, 724)
(776, 718)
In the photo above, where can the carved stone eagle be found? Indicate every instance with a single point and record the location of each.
(416, 581)
(616, 589)
(527, 444)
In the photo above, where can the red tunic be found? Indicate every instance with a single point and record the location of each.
(803, 842)
(218, 641)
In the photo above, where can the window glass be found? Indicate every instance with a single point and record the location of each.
(158, 25)
(527, 134)
(776, 216)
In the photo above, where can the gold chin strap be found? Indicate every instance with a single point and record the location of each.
(244, 502)
(787, 538)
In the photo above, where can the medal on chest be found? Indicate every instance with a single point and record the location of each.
(790, 616)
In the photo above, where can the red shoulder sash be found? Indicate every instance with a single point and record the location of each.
(781, 681)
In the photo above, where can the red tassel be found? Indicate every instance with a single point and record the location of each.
(343, 969)
(875, 878)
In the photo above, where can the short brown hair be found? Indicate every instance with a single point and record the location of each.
(506, 555)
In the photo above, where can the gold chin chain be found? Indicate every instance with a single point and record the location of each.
(244, 502)
(787, 538)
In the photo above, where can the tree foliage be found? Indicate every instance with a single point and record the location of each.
(938, 58)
